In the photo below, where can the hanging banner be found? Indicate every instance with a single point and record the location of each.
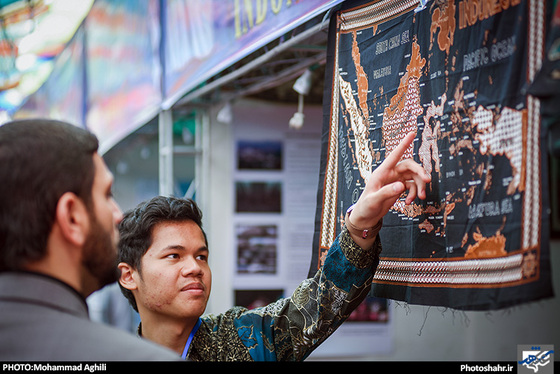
(62, 95)
(203, 37)
(456, 72)
(123, 68)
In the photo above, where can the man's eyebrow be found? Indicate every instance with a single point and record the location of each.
(182, 248)
(173, 246)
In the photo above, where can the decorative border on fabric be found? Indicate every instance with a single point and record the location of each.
(328, 216)
(515, 269)
(532, 204)
(374, 13)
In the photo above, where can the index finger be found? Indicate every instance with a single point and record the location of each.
(395, 156)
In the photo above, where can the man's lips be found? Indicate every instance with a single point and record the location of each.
(194, 287)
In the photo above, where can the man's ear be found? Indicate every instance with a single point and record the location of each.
(72, 218)
(126, 279)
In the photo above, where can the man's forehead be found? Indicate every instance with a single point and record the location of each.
(176, 226)
(102, 172)
(177, 233)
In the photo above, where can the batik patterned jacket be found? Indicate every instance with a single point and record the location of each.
(291, 328)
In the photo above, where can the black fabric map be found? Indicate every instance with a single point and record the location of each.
(457, 72)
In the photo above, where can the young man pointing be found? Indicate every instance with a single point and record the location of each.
(163, 256)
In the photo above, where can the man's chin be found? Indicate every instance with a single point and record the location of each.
(195, 310)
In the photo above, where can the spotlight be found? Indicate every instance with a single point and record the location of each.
(302, 87)
(225, 115)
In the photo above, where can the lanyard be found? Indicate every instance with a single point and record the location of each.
(189, 340)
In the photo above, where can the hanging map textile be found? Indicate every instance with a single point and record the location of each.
(457, 73)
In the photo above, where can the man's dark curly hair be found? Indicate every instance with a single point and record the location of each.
(137, 226)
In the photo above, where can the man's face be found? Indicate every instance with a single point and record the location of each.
(175, 278)
(100, 250)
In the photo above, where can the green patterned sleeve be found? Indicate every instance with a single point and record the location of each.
(291, 328)
(320, 304)
(327, 299)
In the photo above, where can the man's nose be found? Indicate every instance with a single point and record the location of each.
(117, 213)
(191, 267)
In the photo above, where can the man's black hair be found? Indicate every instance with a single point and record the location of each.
(40, 160)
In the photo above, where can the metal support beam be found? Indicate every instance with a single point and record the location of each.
(165, 125)
(250, 66)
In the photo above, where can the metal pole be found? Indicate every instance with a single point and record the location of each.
(165, 124)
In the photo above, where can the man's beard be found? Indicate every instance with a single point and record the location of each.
(100, 254)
